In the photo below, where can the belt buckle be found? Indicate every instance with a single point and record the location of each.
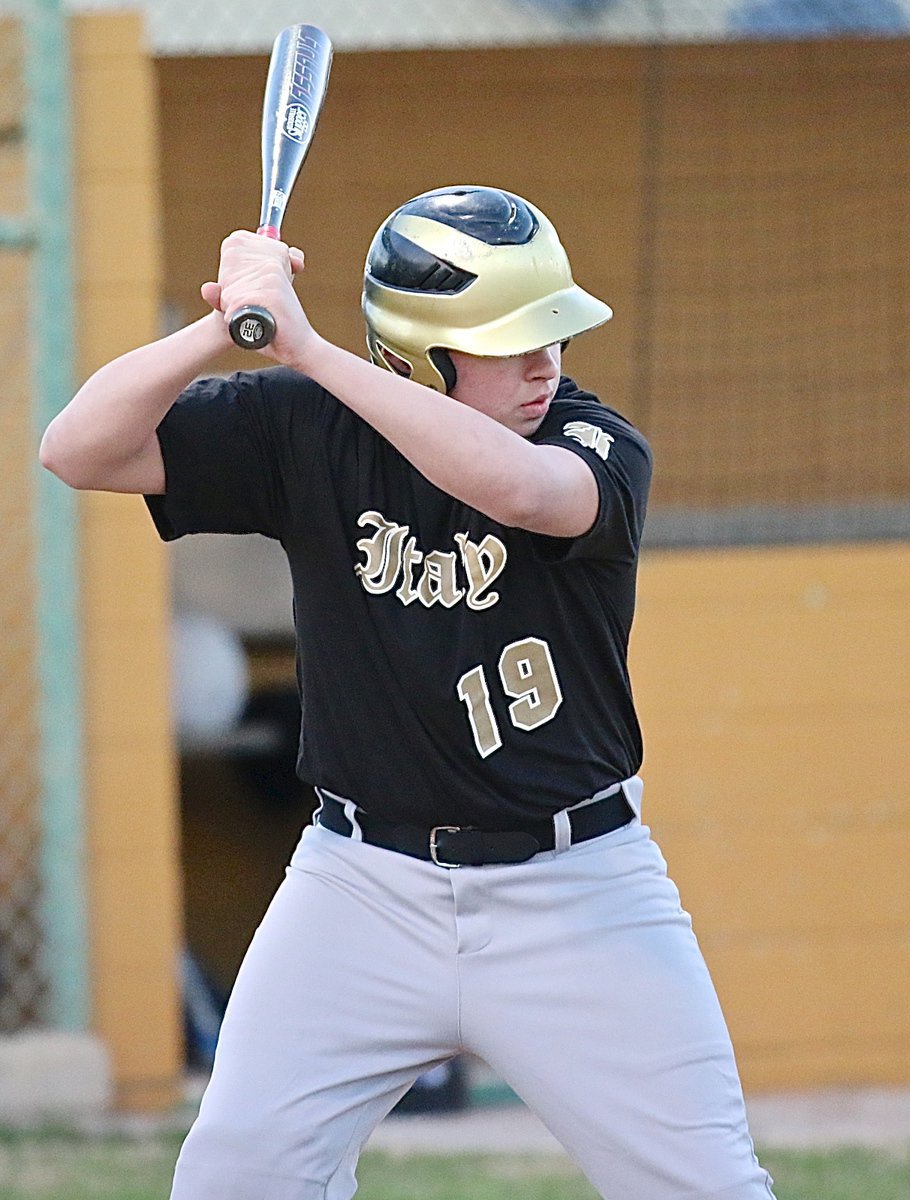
(433, 855)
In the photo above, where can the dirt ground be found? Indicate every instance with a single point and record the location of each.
(874, 1117)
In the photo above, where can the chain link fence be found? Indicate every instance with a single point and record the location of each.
(772, 288)
(772, 300)
(42, 950)
(793, 327)
(772, 369)
(22, 983)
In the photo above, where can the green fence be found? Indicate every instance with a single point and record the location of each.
(42, 906)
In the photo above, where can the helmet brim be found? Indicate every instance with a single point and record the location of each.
(543, 322)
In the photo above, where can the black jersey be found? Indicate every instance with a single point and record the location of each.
(452, 670)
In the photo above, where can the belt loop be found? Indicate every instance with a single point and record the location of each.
(320, 806)
(632, 789)
(562, 831)
(350, 811)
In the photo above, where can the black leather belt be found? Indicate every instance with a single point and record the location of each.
(464, 846)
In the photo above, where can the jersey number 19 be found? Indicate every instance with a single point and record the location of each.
(527, 674)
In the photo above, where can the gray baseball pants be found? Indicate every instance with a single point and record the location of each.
(575, 976)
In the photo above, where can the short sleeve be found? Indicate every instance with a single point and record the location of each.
(621, 461)
(232, 449)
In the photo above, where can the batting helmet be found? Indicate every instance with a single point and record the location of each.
(468, 268)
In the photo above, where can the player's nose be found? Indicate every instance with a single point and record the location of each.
(543, 363)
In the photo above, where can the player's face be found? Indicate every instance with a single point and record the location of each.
(516, 392)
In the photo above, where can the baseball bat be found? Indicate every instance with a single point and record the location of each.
(294, 91)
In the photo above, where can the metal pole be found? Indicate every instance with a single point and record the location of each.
(65, 956)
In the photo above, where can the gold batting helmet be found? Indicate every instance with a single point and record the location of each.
(474, 269)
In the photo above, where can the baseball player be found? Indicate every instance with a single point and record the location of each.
(462, 524)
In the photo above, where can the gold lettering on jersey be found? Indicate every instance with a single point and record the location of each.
(410, 558)
(391, 557)
(383, 551)
(483, 562)
(439, 582)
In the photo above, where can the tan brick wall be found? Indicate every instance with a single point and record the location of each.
(130, 778)
(775, 699)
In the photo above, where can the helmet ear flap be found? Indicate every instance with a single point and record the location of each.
(442, 361)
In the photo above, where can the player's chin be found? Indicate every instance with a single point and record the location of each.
(529, 416)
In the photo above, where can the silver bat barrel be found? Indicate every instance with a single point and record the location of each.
(294, 93)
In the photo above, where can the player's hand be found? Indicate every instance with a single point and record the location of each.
(260, 270)
(211, 291)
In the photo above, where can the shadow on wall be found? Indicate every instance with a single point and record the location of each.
(242, 809)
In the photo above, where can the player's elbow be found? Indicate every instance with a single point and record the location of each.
(532, 509)
(58, 457)
(556, 508)
(51, 456)
(520, 509)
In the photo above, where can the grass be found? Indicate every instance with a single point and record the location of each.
(855, 1174)
(70, 1166)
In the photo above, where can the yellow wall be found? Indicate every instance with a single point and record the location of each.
(130, 778)
(774, 695)
(774, 691)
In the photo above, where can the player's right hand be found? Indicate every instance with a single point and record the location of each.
(259, 270)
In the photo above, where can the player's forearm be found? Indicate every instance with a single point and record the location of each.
(115, 413)
(463, 452)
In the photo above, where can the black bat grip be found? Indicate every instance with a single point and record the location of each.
(252, 327)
